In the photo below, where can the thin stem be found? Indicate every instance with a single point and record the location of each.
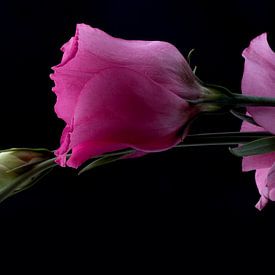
(233, 100)
(207, 139)
(244, 100)
(228, 134)
(222, 139)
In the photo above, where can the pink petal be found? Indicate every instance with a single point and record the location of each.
(261, 181)
(258, 161)
(261, 203)
(265, 180)
(65, 140)
(160, 61)
(92, 50)
(271, 183)
(135, 154)
(259, 79)
(68, 85)
(114, 94)
(122, 107)
(86, 150)
(69, 50)
(248, 127)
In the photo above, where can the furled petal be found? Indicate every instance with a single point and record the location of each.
(115, 94)
(258, 161)
(86, 150)
(68, 85)
(120, 107)
(92, 50)
(69, 50)
(62, 151)
(265, 180)
(271, 183)
(248, 127)
(260, 177)
(259, 79)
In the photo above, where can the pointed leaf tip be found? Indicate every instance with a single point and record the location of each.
(99, 162)
(256, 147)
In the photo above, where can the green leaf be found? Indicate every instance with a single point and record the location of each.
(256, 147)
(224, 138)
(29, 184)
(101, 161)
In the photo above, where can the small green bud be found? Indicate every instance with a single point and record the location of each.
(19, 167)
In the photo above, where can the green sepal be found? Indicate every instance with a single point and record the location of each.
(99, 162)
(189, 56)
(194, 70)
(243, 117)
(256, 147)
(108, 158)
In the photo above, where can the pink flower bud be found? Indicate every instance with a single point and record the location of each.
(115, 94)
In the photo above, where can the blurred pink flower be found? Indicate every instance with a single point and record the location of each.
(259, 80)
(115, 94)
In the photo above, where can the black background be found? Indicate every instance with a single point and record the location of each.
(151, 203)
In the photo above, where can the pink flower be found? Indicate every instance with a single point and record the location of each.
(259, 80)
(265, 170)
(115, 94)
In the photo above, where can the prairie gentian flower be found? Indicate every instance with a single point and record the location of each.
(115, 94)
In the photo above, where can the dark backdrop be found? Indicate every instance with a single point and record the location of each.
(147, 203)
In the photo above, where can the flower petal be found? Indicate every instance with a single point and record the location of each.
(271, 183)
(64, 148)
(92, 50)
(121, 107)
(265, 180)
(258, 161)
(160, 61)
(124, 106)
(86, 150)
(261, 181)
(259, 79)
(115, 93)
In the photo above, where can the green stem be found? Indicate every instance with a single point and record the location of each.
(232, 100)
(208, 139)
(240, 100)
(222, 139)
